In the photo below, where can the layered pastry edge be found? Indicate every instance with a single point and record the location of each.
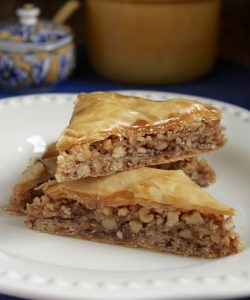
(109, 133)
(168, 213)
(43, 169)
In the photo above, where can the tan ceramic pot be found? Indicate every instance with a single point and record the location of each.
(152, 41)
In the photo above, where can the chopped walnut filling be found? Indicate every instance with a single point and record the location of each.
(120, 153)
(25, 190)
(197, 170)
(164, 229)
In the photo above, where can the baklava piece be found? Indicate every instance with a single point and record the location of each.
(43, 169)
(150, 208)
(110, 132)
(38, 172)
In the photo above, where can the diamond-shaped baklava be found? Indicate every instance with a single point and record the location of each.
(146, 207)
(43, 169)
(109, 132)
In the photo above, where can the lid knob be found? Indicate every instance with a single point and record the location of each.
(28, 14)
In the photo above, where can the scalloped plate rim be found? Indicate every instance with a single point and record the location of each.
(241, 290)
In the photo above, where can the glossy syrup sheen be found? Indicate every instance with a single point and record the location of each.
(98, 115)
(146, 186)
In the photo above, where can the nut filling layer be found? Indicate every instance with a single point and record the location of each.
(169, 229)
(39, 172)
(121, 153)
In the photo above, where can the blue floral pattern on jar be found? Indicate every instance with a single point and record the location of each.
(34, 52)
(39, 69)
(36, 68)
(65, 64)
(11, 75)
(43, 32)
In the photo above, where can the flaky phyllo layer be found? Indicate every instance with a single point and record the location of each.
(44, 169)
(109, 132)
(146, 207)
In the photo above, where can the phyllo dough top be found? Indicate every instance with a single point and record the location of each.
(146, 186)
(98, 115)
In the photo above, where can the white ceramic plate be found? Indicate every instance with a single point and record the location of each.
(36, 265)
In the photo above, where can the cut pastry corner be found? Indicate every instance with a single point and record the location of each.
(172, 214)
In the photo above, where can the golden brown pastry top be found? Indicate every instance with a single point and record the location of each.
(99, 115)
(145, 186)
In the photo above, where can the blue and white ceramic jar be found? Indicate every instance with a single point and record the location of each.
(34, 52)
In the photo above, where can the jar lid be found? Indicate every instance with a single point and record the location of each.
(29, 33)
